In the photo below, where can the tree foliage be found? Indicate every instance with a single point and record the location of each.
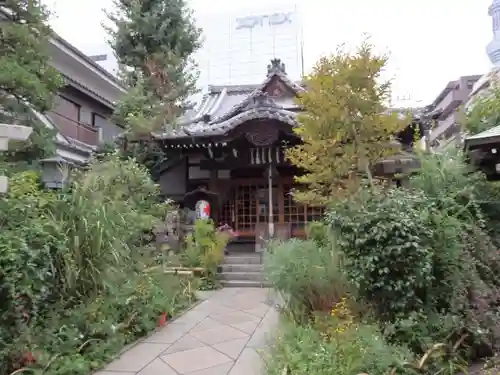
(345, 126)
(154, 42)
(484, 111)
(27, 81)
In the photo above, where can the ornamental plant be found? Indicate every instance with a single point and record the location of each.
(205, 247)
(344, 127)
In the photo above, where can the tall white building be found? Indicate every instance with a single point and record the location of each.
(493, 48)
(237, 47)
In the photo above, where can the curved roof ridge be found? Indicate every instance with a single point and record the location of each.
(223, 127)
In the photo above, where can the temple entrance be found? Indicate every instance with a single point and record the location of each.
(246, 206)
(247, 209)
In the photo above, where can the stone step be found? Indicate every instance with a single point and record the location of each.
(241, 247)
(244, 284)
(242, 267)
(250, 258)
(252, 276)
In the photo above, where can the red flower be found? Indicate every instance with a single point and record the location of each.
(162, 320)
(28, 358)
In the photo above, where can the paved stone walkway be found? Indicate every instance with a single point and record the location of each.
(223, 335)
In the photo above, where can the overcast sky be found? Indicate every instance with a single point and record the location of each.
(430, 41)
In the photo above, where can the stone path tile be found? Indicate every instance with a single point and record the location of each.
(195, 359)
(135, 359)
(184, 343)
(223, 335)
(219, 334)
(157, 367)
(231, 348)
(249, 363)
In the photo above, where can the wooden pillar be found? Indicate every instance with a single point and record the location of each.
(270, 201)
(281, 201)
(212, 186)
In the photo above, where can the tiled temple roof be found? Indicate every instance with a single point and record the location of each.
(223, 108)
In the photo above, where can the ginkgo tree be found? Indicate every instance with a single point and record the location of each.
(345, 126)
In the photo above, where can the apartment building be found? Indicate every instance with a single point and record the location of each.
(450, 102)
(83, 107)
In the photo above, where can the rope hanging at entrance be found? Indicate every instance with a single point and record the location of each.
(266, 155)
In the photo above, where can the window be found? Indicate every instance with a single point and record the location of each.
(98, 121)
(69, 118)
(67, 108)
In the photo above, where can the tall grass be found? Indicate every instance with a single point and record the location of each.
(103, 215)
(309, 275)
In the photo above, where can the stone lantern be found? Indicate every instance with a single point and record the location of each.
(56, 172)
(16, 133)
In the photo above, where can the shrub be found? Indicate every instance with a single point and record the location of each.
(308, 274)
(422, 263)
(27, 242)
(64, 253)
(360, 348)
(80, 340)
(204, 247)
(389, 251)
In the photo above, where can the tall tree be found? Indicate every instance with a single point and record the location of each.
(345, 127)
(27, 81)
(154, 42)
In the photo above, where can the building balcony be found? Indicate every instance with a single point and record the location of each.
(74, 129)
(443, 125)
(450, 102)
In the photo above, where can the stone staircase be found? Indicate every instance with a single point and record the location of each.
(242, 269)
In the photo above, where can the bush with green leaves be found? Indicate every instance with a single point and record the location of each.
(80, 340)
(204, 247)
(388, 243)
(28, 238)
(423, 258)
(63, 253)
(303, 350)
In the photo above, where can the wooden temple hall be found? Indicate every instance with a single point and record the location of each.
(230, 153)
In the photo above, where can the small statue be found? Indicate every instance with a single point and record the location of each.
(172, 224)
(202, 209)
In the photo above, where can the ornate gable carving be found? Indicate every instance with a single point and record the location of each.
(259, 100)
(278, 83)
(277, 89)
